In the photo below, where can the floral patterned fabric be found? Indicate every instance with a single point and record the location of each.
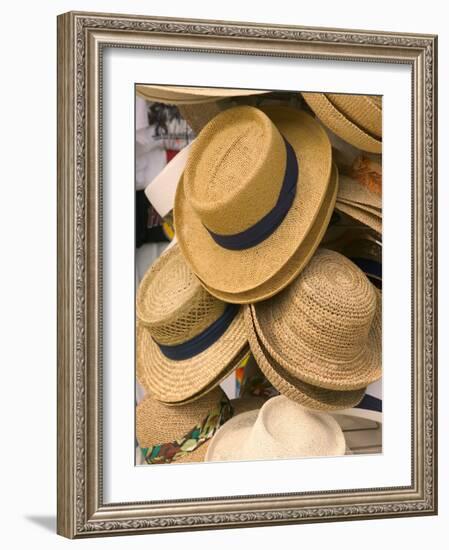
(169, 452)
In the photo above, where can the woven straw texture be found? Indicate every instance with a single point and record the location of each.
(179, 95)
(361, 215)
(218, 189)
(157, 423)
(351, 190)
(340, 125)
(173, 307)
(198, 115)
(369, 209)
(297, 262)
(325, 328)
(280, 429)
(312, 397)
(362, 110)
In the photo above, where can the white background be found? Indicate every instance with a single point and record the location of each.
(28, 275)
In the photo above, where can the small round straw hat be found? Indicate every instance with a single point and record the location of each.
(356, 119)
(253, 186)
(325, 328)
(280, 429)
(187, 340)
(286, 383)
(182, 434)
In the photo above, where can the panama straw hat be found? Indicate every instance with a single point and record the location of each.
(188, 95)
(252, 188)
(297, 262)
(187, 340)
(361, 215)
(336, 121)
(182, 434)
(325, 328)
(363, 110)
(288, 384)
(280, 429)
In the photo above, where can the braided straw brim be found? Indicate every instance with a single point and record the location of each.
(237, 271)
(361, 215)
(312, 397)
(186, 95)
(172, 381)
(362, 110)
(297, 359)
(368, 209)
(297, 262)
(339, 124)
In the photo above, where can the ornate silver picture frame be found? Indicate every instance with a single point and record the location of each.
(82, 41)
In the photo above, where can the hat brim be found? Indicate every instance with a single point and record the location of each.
(186, 95)
(308, 395)
(352, 375)
(350, 190)
(362, 110)
(361, 215)
(359, 206)
(298, 261)
(237, 271)
(339, 124)
(173, 381)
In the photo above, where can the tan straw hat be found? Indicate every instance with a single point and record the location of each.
(182, 434)
(297, 262)
(363, 110)
(253, 186)
(189, 95)
(285, 381)
(361, 214)
(187, 340)
(350, 190)
(325, 328)
(280, 429)
(347, 128)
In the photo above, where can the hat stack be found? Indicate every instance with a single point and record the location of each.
(248, 276)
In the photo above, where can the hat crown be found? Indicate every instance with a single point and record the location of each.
(284, 428)
(159, 423)
(235, 170)
(331, 308)
(172, 303)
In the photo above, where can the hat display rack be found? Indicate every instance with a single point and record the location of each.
(259, 326)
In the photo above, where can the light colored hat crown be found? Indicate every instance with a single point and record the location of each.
(330, 308)
(286, 429)
(172, 303)
(235, 170)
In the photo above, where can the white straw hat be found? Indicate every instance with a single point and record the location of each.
(254, 185)
(280, 429)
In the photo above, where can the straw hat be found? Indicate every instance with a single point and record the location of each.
(299, 259)
(280, 429)
(325, 328)
(187, 340)
(351, 191)
(235, 227)
(182, 434)
(289, 384)
(188, 95)
(349, 116)
(361, 214)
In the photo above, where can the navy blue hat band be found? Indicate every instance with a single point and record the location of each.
(202, 341)
(266, 226)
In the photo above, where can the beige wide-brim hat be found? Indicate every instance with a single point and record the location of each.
(157, 423)
(299, 259)
(337, 120)
(351, 191)
(325, 328)
(241, 271)
(280, 429)
(189, 95)
(308, 395)
(173, 308)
